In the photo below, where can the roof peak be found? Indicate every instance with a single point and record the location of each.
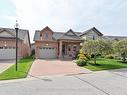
(47, 27)
(70, 30)
(94, 29)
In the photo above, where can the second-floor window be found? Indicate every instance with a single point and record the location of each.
(46, 35)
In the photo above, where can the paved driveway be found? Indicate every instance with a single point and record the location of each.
(112, 82)
(5, 64)
(55, 67)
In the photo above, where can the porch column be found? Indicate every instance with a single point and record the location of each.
(60, 49)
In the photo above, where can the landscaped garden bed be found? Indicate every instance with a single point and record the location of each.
(103, 54)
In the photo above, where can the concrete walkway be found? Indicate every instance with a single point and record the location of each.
(55, 67)
(5, 65)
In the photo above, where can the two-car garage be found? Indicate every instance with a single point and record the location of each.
(47, 52)
(7, 53)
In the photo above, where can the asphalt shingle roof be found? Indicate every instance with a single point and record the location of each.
(114, 37)
(21, 32)
(94, 29)
(59, 35)
(76, 36)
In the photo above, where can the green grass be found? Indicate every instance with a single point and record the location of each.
(106, 64)
(23, 67)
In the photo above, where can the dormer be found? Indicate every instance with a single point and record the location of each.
(46, 34)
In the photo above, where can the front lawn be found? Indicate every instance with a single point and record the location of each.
(23, 68)
(105, 64)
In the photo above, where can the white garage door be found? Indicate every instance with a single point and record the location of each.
(7, 53)
(47, 52)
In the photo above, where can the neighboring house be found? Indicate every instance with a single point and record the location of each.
(50, 44)
(92, 33)
(8, 43)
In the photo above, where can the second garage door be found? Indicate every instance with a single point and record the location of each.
(47, 52)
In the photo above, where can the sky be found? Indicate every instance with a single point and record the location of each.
(108, 16)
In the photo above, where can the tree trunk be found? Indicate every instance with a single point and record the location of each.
(95, 58)
(124, 57)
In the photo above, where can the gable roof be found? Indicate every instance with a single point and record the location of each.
(69, 35)
(92, 29)
(46, 28)
(60, 35)
(4, 30)
(21, 33)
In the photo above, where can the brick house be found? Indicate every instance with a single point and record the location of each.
(8, 43)
(50, 44)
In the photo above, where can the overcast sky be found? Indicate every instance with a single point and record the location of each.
(108, 16)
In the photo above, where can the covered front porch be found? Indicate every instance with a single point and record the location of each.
(68, 48)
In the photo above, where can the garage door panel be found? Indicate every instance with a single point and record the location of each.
(7, 53)
(47, 52)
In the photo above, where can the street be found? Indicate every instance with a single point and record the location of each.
(111, 82)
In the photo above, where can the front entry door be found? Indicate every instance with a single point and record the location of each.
(63, 50)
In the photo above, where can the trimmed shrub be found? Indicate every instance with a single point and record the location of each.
(83, 56)
(81, 62)
(110, 56)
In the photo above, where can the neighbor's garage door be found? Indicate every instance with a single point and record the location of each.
(7, 53)
(47, 52)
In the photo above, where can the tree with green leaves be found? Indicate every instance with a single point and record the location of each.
(121, 47)
(105, 47)
(99, 46)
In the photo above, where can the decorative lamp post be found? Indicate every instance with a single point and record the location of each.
(16, 29)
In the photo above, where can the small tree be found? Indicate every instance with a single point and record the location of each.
(121, 47)
(82, 58)
(91, 47)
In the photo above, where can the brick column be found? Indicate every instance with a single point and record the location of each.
(60, 49)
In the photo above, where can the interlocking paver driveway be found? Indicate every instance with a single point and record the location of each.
(55, 67)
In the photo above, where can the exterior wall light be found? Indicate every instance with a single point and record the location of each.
(47, 44)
